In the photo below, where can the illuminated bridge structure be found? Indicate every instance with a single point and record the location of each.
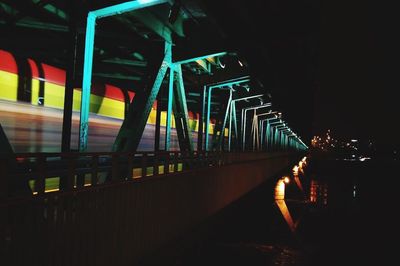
(122, 129)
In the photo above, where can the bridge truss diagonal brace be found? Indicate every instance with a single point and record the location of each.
(88, 57)
(181, 112)
(232, 120)
(208, 95)
(169, 109)
(133, 126)
(228, 112)
(5, 146)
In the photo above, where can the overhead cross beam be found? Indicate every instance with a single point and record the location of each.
(38, 8)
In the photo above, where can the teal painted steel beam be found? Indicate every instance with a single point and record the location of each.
(209, 96)
(229, 83)
(247, 98)
(283, 141)
(182, 114)
(228, 80)
(275, 124)
(227, 114)
(87, 81)
(169, 109)
(265, 137)
(126, 7)
(234, 103)
(200, 138)
(272, 131)
(277, 146)
(244, 120)
(230, 125)
(261, 131)
(268, 136)
(234, 122)
(199, 58)
(88, 57)
(208, 119)
(267, 113)
(132, 128)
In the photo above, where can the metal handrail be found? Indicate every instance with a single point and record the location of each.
(39, 173)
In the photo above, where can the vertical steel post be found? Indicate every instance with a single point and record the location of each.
(158, 120)
(209, 94)
(261, 130)
(201, 120)
(87, 81)
(222, 135)
(276, 138)
(234, 121)
(169, 108)
(183, 111)
(230, 125)
(70, 78)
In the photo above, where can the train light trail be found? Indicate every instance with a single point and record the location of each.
(88, 57)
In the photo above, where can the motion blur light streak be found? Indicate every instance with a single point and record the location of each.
(36, 127)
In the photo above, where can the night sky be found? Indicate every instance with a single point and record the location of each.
(358, 82)
(329, 66)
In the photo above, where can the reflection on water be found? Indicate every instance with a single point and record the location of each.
(280, 190)
(354, 225)
(318, 192)
(280, 202)
(298, 183)
(286, 214)
(295, 170)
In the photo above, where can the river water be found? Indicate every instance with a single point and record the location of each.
(331, 212)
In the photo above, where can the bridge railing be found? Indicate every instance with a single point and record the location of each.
(40, 173)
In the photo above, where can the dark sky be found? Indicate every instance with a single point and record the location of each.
(359, 74)
(331, 65)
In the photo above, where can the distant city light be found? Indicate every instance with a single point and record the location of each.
(326, 142)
